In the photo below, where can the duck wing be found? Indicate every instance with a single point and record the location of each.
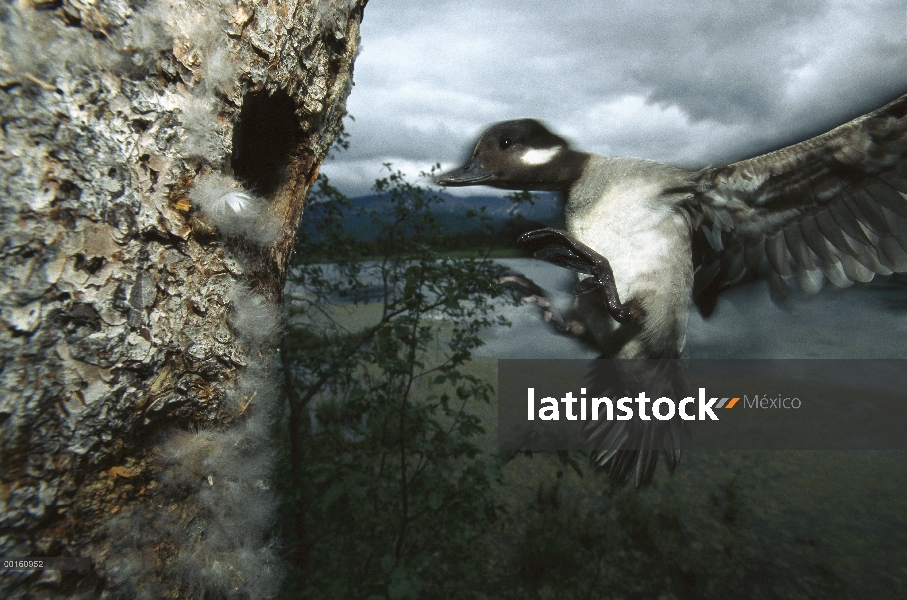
(833, 208)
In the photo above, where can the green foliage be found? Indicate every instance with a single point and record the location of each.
(623, 546)
(398, 499)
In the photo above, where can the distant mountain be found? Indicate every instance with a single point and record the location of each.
(546, 211)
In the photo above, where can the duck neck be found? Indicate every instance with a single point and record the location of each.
(567, 169)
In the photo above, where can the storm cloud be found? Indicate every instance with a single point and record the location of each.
(692, 84)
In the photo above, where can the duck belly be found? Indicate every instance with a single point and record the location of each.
(650, 255)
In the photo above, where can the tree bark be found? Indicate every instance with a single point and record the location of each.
(139, 315)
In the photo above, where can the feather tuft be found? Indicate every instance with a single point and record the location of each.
(223, 204)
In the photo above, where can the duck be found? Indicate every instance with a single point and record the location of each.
(649, 240)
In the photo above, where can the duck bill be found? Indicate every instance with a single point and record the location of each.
(469, 174)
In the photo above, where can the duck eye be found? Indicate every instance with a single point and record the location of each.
(506, 143)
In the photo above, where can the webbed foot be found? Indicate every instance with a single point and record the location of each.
(530, 291)
(561, 249)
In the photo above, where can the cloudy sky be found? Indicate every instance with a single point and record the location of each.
(686, 83)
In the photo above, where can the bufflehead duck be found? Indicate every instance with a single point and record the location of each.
(648, 238)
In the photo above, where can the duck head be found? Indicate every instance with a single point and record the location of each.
(520, 155)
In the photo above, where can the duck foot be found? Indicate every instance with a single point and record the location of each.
(530, 291)
(560, 248)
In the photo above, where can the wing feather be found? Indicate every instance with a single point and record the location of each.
(813, 238)
(901, 234)
(835, 274)
(895, 257)
(810, 280)
(734, 265)
(855, 271)
(798, 248)
(778, 256)
(886, 193)
(754, 254)
(832, 232)
(832, 207)
(873, 214)
(846, 217)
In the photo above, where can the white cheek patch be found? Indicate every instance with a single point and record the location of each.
(539, 157)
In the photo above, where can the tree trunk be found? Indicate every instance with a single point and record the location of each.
(154, 159)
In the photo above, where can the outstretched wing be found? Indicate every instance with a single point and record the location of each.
(833, 207)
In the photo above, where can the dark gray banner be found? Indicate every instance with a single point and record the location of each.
(710, 404)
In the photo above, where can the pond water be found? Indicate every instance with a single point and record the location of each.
(858, 322)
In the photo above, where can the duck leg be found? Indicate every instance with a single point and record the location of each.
(561, 249)
(530, 291)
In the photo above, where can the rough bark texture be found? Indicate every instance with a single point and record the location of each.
(139, 282)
